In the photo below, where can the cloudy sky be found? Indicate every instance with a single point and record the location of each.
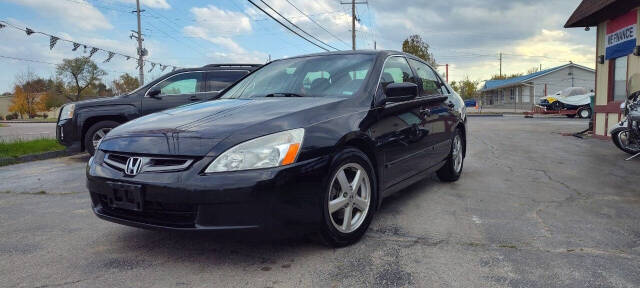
(466, 34)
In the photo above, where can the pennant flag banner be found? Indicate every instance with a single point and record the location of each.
(28, 31)
(75, 46)
(93, 51)
(111, 54)
(52, 41)
(153, 65)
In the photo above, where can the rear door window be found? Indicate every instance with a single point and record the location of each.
(219, 80)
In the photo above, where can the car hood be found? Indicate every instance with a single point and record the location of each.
(196, 128)
(100, 101)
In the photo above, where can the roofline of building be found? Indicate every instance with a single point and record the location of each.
(538, 76)
(592, 12)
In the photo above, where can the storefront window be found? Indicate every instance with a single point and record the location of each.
(620, 79)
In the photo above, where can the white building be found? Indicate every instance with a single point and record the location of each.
(524, 91)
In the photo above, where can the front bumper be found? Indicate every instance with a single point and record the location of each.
(189, 200)
(65, 134)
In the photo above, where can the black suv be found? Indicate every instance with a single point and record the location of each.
(81, 125)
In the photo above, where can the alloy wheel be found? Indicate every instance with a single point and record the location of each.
(97, 137)
(349, 197)
(456, 154)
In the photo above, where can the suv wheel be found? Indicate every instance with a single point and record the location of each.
(349, 200)
(95, 134)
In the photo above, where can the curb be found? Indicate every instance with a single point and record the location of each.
(35, 157)
(485, 115)
(24, 122)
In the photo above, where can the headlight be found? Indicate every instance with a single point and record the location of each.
(268, 151)
(67, 111)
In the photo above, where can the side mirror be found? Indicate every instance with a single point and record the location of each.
(400, 92)
(154, 93)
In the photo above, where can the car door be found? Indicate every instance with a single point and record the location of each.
(398, 132)
(436, 100)
(219, 80)
(175, 90)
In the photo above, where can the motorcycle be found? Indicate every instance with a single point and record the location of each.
(626, 134)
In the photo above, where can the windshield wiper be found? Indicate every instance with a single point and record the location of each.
(286, 94)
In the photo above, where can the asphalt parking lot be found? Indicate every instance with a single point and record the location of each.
(533, 208)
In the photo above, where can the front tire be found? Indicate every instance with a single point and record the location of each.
(620, 137)
(95, 133)
(452, 170)
(349, 200)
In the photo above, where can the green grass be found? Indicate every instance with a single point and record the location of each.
(3, 125)
(13, 149)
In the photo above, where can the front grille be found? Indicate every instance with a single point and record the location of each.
(149, 164)
(155, 213)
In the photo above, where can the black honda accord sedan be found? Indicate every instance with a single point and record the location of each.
(314, 142)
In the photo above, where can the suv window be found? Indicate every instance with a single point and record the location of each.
(431, 84)
(218, 80)
(184, 83)
(396, 70)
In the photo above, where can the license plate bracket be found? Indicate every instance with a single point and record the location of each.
(125, 196)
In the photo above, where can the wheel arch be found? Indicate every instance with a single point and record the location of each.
(95, 119)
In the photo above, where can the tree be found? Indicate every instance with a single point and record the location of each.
(125, 84)
(467, 88)
(416, 46)
(503, 77)
(27, 93)
(80, 73)
(533, 70)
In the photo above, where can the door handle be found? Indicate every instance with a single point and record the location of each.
(451, 105)
(426, 112)
(194, 98)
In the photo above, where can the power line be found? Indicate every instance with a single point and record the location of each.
(294, 25)
(45, 62)
(314, 21)
(285, 26)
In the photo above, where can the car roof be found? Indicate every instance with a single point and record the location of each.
(222, 67)
(353, 52)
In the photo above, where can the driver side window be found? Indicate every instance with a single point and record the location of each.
(186, 83)
(396, 70)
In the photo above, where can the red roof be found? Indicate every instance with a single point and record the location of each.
(593, 12)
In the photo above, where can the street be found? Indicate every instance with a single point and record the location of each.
(27, 131)
(528, 211)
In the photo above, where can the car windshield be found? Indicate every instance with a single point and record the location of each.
(314, 76)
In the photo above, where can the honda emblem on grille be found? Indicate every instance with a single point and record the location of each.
(134, 164)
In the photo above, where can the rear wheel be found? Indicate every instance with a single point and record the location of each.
(96, 133)
(584, 113)
(452, 170)
(349, 200)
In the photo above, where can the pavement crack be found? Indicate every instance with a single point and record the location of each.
(62, 284)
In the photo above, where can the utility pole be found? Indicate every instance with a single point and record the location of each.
(353, 20)
(141, 51)
(500, 64)
(447, 69)
(374, 45)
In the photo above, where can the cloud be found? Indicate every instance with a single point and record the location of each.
(219, 26)
(160, 4)
(80, 13)
(469, 34)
